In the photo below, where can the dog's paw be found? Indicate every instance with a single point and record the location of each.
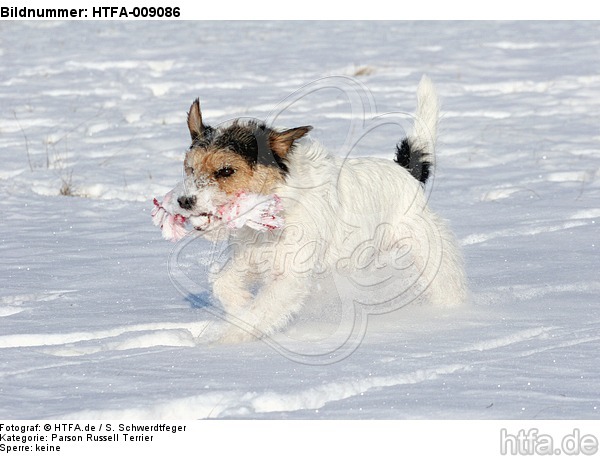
(236, 335)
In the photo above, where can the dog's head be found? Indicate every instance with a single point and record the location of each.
(244, 156)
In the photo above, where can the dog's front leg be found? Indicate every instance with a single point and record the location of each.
(278, 301)
(275, 304)
(230, 287)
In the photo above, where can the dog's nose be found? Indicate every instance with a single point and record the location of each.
(186, 202)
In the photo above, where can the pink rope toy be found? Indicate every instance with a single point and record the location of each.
(259, 212)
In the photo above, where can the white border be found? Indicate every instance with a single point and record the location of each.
(366, 10)
(347, 438)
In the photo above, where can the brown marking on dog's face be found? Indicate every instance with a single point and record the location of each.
(248, 157)
(231, 172)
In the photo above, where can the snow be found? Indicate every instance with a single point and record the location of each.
(92, 325)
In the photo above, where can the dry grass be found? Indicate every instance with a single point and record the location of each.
(66, 188)
(364, 70)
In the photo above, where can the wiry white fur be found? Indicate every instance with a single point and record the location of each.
(337, 206)
(333, 207)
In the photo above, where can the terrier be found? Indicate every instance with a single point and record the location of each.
(346, 216)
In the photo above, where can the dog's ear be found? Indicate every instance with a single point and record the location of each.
(281, 142)
(194, 121)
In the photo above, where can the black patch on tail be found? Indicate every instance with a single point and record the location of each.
(413, 159)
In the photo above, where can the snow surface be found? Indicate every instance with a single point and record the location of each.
(91, 323)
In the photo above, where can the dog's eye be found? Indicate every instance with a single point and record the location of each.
(226, 171)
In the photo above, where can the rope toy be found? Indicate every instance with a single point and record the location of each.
(258, 212)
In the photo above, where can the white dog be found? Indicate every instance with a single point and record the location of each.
(330, 213)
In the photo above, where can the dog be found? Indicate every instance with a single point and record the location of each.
(344, 215)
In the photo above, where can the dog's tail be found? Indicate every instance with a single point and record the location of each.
(416, 151)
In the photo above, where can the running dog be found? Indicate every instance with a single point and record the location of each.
(333, 214)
